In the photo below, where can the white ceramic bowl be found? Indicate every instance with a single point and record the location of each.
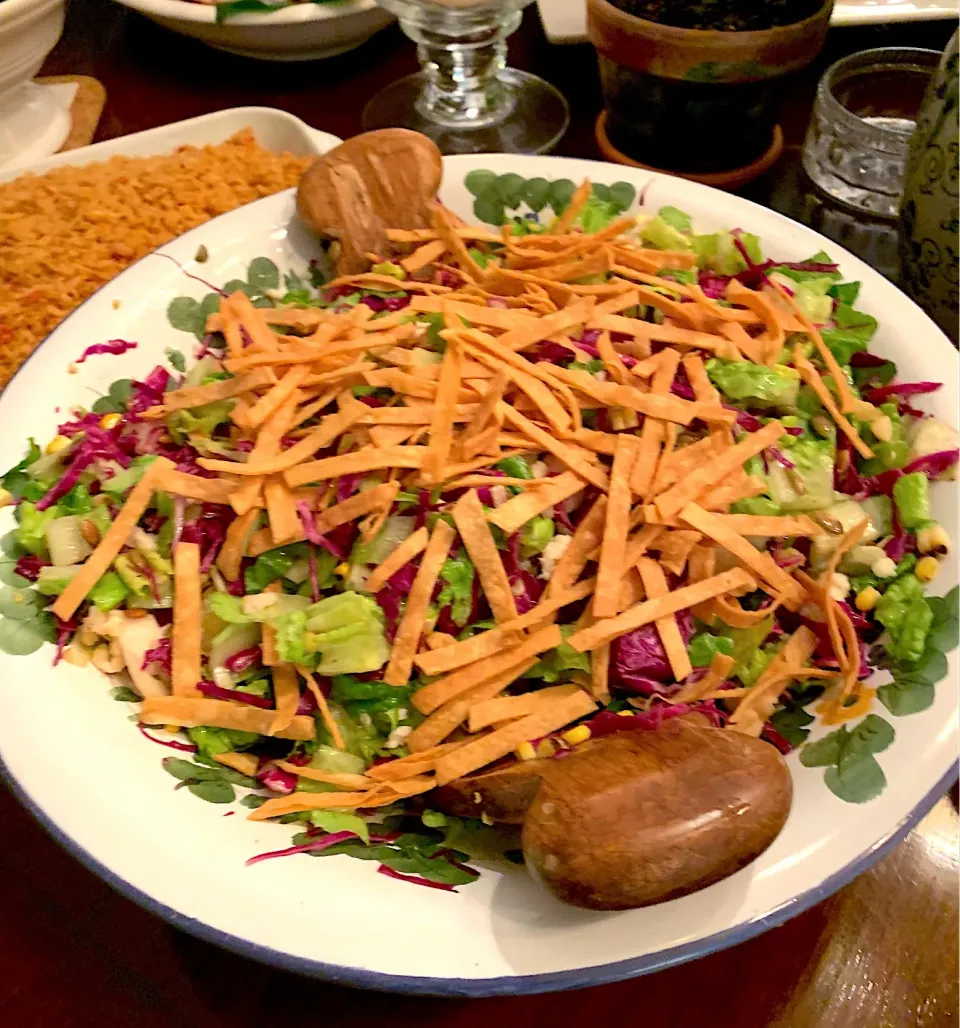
(29, 30)
(301, 32)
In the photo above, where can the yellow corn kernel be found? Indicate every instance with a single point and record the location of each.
(172, 729)
(110, 420)
(927, 568)
(867, 598)
(525, 751)
(342, 569)
(545, 748)
(577, 735)
(57, 443)
(626, 713)
(933, 539)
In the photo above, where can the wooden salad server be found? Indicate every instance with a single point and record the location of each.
(637, 817)
(372, 182)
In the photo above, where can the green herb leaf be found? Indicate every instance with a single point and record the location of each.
(253, 800)
(904, 696)
(489, 208)
(912, 689)
(825, 751)
(858, 782)
(623, 194)
(263, 274)
(20, 604)
(212, 791)
(791, 724)
(124, 694)
(561, 192)
(340, 821)
(480, 181)
(176, 359)
(20, 638)
(945, 629)
(115, 402)
(536, 193)
(509, 189)
(871, 735)
(184, 314)
(184, 770)
(9, 576)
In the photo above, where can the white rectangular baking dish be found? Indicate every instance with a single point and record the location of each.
(274, 130)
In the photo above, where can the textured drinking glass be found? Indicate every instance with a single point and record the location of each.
(465, 98)
(864, 115)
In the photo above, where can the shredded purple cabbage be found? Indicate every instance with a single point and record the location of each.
(606, 722)
(378, 304)
(114, 346)
(149, 392)
(414, 879)
(243, 660)
(29, 566)
(209, 532)
(217, 692)
(779, 457)
(714, 286)
(184, 747)
(639, 662)
(276, 779)
(526, 588)
(308, 847)
(161, 655)
(879, 394)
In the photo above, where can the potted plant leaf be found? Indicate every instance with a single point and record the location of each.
(691, 86)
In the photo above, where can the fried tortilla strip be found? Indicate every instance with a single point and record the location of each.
(498, 744)
(193, 713)
(650, 610)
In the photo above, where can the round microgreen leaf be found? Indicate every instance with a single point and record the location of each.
(20, 604)
(216, 791)
(560, 193)
(536, 192)
(183, 313)
(905, 696)
(623, 194)
(871, 735)
(210, 304)
(480, 181)
(10, 577)
(237, 283)
(489, 209)
(825, 751)
(263, 274)
(858, 782)
(509, 188)
(20, 638)
(10, 544)
(601, 192)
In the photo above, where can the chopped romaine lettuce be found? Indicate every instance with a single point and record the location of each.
(809, 484)
(741, 380)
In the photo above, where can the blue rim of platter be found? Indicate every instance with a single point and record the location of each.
(469, 988)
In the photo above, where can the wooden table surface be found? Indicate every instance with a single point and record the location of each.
(881, 953)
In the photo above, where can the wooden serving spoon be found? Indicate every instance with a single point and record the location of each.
(637, 817)
(372, 182)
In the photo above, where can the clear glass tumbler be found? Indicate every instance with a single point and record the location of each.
(864, 115)
(465, 98)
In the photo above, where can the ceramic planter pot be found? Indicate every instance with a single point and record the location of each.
(692, 100)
